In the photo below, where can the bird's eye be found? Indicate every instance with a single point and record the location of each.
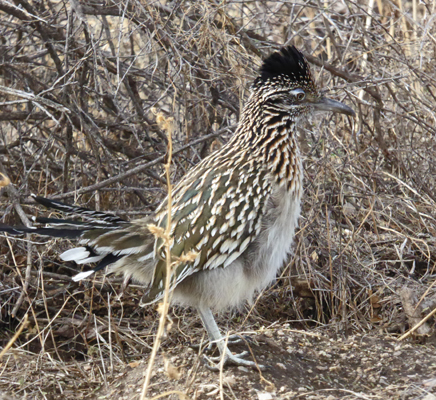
(300, 96)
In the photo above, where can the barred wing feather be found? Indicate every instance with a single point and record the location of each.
(217, 217)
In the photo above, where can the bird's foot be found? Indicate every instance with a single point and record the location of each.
(232, 339)
(237, 339)
(216, 363)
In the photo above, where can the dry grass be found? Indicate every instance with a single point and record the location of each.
(79, 86)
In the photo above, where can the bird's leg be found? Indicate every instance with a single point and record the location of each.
(226, 356)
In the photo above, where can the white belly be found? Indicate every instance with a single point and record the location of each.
(274, 244)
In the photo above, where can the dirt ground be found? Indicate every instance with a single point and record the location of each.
(300, 365)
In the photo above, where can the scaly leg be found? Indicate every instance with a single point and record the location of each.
(226, 356)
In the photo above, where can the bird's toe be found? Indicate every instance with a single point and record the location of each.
(216, 363)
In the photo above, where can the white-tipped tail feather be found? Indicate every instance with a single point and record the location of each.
(76, 254)
(82, 275)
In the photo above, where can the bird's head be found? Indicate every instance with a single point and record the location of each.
(285, 84)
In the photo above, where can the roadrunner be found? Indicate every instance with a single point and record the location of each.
(235, 213)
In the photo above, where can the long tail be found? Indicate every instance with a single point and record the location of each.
(86, 213)
(67, 228)
(52, 232)
(103, 235)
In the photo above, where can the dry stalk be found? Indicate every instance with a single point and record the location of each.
(417, 326)
(164, 305)
(15, 337)
(5, 180)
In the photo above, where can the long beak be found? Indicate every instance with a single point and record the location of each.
(325, 104)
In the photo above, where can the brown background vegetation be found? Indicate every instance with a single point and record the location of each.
(81, 86)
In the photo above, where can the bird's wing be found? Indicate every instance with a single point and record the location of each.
(214, 218)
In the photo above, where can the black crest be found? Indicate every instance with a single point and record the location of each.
(288, 62)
